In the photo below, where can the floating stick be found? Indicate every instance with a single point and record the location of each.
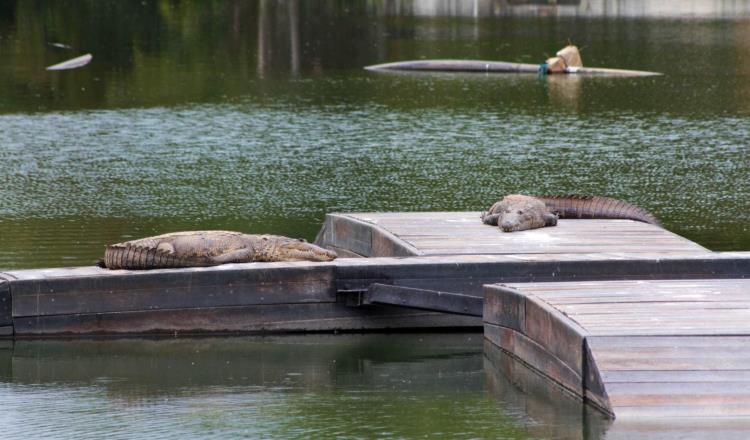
(73, 63)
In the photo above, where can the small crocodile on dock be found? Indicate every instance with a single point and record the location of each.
(518, 212)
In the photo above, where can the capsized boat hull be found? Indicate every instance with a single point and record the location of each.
(497, 67)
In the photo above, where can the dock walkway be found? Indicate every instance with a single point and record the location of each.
(463, 233)
(633, 348)
(451, 252)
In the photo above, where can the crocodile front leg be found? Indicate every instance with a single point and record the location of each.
(246, 255)
(490, 219)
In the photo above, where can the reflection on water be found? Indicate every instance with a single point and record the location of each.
(399, 386)
(580, 8)
(558, 414)
(322, 386)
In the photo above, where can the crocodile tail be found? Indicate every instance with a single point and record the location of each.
(124, 256)
(580, 206)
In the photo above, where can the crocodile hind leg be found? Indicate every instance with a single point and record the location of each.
(246, 255)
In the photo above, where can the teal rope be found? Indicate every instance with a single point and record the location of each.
(543, 68)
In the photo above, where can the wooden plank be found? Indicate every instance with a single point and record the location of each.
(352, 234)
(721, 413)
(517, 385)
(89, 290)
(149, 290)
(697, 343)
(676, 360)
(560, 336)
(669, 356)
(468, 274)
(663, 390)
(252, 319)
(504, 307)
(544, 338)
(5, 301)
(536, 356)
(674, 376)
(595, 390)
(424, 299)
(463, 233)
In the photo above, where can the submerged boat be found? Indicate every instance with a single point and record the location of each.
(566, 61)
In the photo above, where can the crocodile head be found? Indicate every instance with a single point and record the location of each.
(290, 249)
(518, 213)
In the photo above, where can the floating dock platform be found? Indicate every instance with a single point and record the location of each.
(403, 234)
(428, 252)
(497, 67)
(624, 315)
(634, 349)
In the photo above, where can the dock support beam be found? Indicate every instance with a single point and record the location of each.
(432, 300)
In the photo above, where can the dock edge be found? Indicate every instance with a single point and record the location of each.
(546, 340)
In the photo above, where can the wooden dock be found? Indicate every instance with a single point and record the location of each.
(635, 349)
(463, 233)
(627, 316)
(422, 254)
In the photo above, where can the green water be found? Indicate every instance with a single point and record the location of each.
(324, 386)
(258, 116)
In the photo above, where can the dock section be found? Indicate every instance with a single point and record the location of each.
(305, 296)
(633, 348)
(422, 260)
(402, 234)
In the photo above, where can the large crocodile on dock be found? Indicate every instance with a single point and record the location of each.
(518, 212)
(208, 248)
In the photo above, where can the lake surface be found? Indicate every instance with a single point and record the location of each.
(258, 116)
(312, 386)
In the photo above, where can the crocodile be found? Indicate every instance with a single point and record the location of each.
(518, 212)
(208, 248)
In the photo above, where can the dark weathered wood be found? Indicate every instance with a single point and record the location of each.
(463, 233)
(355, 235)
(561, 337)
(245, 319)
(469, 274)
(561, 413)
(271, 283)
(536, 356)
(5, 301)
(594, 387)
(87, 290)
(424, 299)
(655, 348)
